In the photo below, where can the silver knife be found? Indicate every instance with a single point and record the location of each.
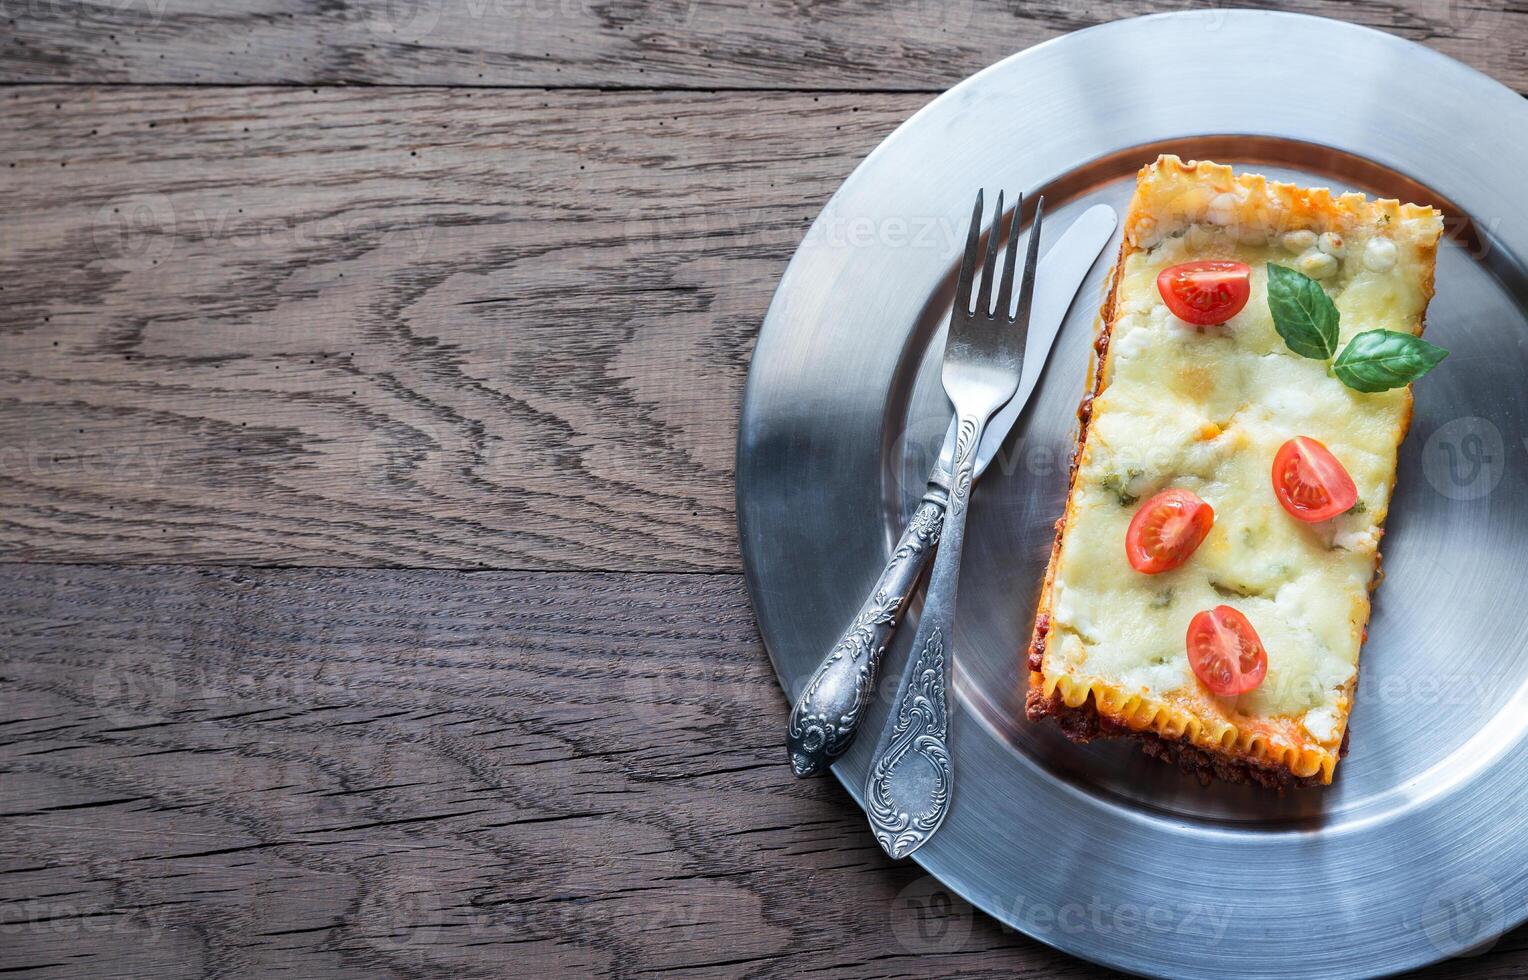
(826, 716)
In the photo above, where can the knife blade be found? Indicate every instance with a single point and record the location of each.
(827, 713)
(1060, 274)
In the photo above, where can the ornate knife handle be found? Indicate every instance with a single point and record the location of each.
(911, 774)
(826, 716)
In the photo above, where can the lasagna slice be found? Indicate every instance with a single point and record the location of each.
(1175, 406)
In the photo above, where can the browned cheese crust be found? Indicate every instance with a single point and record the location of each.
(1084, 723)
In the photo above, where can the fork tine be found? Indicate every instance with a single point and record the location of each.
(989, 267)
(1005, 290)
(968, 263)
(1031, 258)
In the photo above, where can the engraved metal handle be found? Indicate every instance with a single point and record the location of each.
(827, 715)
(911, 776)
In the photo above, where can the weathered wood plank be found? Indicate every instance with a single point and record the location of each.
(924, 45)
(394, 773)
(422, 328)
(387, 772)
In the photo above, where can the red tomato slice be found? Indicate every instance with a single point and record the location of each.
(1166, 530)
(1225, 652)
(1310, 482)
(1207, 292)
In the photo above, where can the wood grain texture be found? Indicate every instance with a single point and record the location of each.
(412, 328)
(400, 772)
(408, 773)
(918, 45)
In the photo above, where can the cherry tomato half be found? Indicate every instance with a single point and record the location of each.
(1225, 652)
(1207, 292)
(1166, 530)
(1310, 482)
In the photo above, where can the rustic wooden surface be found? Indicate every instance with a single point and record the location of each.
(861, 45)
(394, 327)
(368, 384)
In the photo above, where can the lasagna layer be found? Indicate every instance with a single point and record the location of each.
(1206, 409)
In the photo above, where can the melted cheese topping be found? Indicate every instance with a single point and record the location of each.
(1206, 409)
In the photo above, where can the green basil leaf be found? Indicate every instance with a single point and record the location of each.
(1378, 360)
(1303, 314)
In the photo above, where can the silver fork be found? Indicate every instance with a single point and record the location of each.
(912, 775)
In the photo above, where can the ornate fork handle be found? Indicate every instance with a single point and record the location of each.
(827, 715)
(911, 775)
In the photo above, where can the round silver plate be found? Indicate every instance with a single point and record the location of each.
(1418, 850)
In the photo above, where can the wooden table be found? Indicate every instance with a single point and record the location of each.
(369, 377)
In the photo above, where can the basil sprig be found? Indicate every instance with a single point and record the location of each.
(1303, 314)
(1378, 360)
(1375, 360)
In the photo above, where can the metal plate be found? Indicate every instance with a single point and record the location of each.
(1417, 852)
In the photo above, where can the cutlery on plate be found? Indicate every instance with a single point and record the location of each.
(912, 774)
(826, 716)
